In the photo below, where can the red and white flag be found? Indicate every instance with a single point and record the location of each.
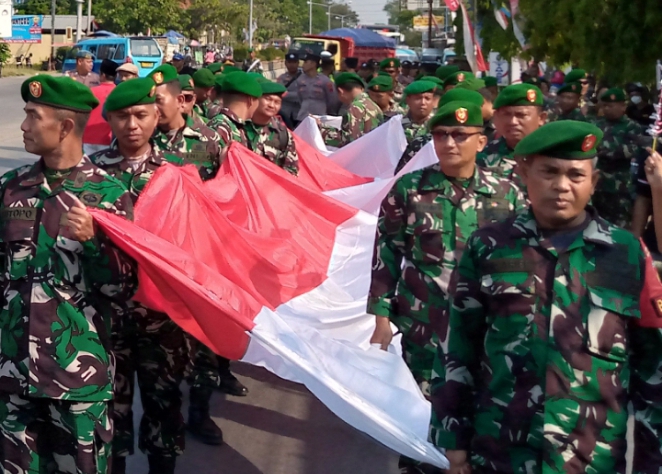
(471, 45)
(274, 270)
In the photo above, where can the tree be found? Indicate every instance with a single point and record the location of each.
(139, 16)
(43, 7)
(215, 16)
(618, 40)
(343, 15)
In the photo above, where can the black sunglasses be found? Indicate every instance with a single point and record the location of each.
(457, 136)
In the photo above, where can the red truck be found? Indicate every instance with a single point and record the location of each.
(344, 43)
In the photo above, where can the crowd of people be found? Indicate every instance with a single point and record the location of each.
(511, 267)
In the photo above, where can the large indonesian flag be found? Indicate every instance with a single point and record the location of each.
(274, 270)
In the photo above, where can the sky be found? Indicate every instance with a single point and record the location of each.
(370, 11)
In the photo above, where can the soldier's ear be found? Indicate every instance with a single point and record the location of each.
(482, 142)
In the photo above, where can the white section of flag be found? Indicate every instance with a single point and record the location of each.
(321, 338)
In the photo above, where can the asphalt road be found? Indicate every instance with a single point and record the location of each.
(279, 428)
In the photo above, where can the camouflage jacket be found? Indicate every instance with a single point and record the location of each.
(57, 292)
(413, 130)
(202, 108)
(489, 131)
(576, 114)
(394, 109)
(214, 109)
(543, 354)
(412, 149)
(497, 157)
(134, 177)
(274, 142)
(229, 128)
(620, 145)
(423, 225)
(362, 116)
(194, 143)
(398, 92)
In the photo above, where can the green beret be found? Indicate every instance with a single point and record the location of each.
(462, 95)
(241, 83)
(564, 139)
(61, 92)
(381, 84)
(215, 68)
(472, 84)
(229, 68)
(519, 94)
(218, 82)
(163, 74)
(420, 87)
(203, 78)
(389, 62)
(443, 72)
(457, 77)
(129, 93)
(186, 82)
(269, 87)
(615, 94)
(573, 88)
(575, 75)
(255, 75)
(433, 79)
(490, 81)
(348, 77)
(457, 114)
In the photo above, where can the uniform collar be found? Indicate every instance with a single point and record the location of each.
(598, 231)
(231, 115)
(434, 179)
(113, 156)
(35, 176)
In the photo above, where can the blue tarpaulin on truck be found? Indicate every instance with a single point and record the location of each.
(362, 37)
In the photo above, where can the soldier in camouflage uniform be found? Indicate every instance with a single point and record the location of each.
(179, 134)
(203, 84)
(423, 226)
(620, 146)
(391, 66)
(380, 91)
(567, 104)
(462, 95)
(188, 105)
(545, 347)
(59, 279)
(362, 115)
(146, 343)
(272, 140)
(518, 112)
(419, 96)
(216, 104)
(241, 94)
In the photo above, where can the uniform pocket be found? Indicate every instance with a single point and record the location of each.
(606, 328)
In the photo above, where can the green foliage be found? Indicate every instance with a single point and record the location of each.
(43, 7)
(269, 54)
(5, 53)
(61, 52)
(137, 16)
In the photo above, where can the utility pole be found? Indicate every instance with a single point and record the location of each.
(79, 18)
(250, 24)
(310, 18)
(430, 23)
(53, 34)
(89, 17)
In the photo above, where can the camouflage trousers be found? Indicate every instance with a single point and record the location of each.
(206, 367)
(43, 436)
(149, 346)
(614, 207)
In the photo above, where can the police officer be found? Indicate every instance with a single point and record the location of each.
(404, 77)
(546, 350)
(423, 226)
(291, 104)
(147, 344)
(60, 277)
(315, 91)
(350, 65)
(83, 72)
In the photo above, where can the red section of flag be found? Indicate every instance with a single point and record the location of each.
(651, 295)
(212, 253)
(317, 172)
(453, 5)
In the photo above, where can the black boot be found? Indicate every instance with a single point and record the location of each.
(161, 464)
(229, 383)
(119, 465)
(200, 424)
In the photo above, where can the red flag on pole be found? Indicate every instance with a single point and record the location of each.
(453, 5)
